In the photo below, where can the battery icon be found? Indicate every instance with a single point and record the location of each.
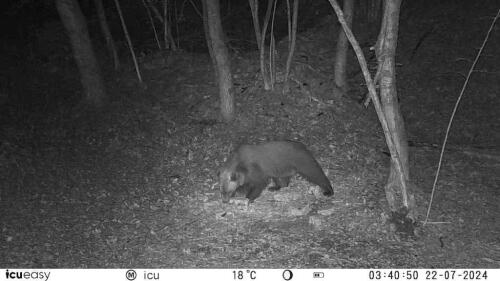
(318, 275)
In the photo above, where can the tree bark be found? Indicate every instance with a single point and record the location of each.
(167, 30)
(386, 54)
(291, 46)
(265, 78)
(342, 48)
(110, 42)
(90, 74)
(220, 58)
(207, 33)
(254, 8)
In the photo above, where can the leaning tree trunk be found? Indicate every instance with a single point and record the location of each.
(386, 51)
(342, 47)
(110, 42)
(220, 58)
(90, 74)
(386, 54)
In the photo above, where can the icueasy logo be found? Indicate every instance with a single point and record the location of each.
(27, 275)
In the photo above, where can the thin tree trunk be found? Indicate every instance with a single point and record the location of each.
(90, 74)
(342, 48)
(220, 58)
(167, 30)
(151, 21)
(389, 100)
(207, 33)
(254, 8)
(291, 46)
(108, 37)
(165, 24)
(168, 38)
(129, 41)
(272, 50)
(265, 78)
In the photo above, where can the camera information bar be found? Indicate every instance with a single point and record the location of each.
(12, 274)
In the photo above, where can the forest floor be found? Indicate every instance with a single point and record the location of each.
(135, 185)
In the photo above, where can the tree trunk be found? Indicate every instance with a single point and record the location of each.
(220, 58)
(386, 50)
(386, 53)
(292, 33)
(207, 33)
(342, 48)
(265, 78)
(167, 30)
(110, 42)
(254, 8)
(90, 74)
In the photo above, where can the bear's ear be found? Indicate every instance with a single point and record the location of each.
(233, 177)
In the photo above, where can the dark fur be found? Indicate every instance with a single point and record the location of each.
(250, 167)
